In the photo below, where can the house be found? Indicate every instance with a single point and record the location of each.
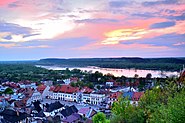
(12, 85)
(59, 82)
(3, 104)
(27, 84)
(87, 112)
(67, 81)
(65, 92)
(74, 79)
(114, 97)
(68, 111)
(2, 89)
(13, 116)
(53, 108)
(18, 96)
(137, 96)
(128, 95)
(128, 89)
(110, 83)
(116, 84)
(41, 88)
(34, 97)
(50, 92)
(84, 95)
(74, 118)
(97, 98)
(47, 83)
(46, 92)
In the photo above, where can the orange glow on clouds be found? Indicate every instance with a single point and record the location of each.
(114, 37)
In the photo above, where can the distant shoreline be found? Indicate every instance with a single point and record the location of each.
(115, 72)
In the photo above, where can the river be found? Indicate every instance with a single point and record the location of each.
(117, 72)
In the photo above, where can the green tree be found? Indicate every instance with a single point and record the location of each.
(124, 112)
(173, 112)
(8, 91)
(72, 84)
(99, 118)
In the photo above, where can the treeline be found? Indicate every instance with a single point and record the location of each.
(165, 103)
(21, 72)
(166, 64)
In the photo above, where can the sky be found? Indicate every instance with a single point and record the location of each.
(36, 29)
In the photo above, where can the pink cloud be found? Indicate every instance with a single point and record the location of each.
(6, 2)
(8, 45)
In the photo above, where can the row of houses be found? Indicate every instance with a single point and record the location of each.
(74, 94)
(44, 113)
(66, 93)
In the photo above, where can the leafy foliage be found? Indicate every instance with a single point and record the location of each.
(163, 104)
(8, 91)
(100, 118)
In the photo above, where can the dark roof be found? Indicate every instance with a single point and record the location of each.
(13, 116)
(37, 106)
(72, 118)
(69, 110)
(41, 114)
(53, 106)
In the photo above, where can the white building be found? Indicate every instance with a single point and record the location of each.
(65, 92)
(67, 81)
(97, 98)
(35, 96)
(46, 92)
(110, 84)
(31, 85)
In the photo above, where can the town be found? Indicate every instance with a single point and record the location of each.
(64, 101)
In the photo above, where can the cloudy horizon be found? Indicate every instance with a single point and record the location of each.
(35, 29)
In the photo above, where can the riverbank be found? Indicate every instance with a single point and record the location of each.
(116, 72)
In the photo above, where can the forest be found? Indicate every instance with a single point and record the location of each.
(166, 64)
(165, 103)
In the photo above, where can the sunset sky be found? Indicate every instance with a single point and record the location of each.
(35, 29)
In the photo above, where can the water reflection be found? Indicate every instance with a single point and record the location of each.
(118, 72)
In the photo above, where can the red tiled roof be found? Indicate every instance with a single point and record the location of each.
(137, 96)
(68, 89)
(11, 84)
(115, 95)
(86, 90)
(52, 88)
(56, 89)
(24, 82)
(41, 88)
(117, 83)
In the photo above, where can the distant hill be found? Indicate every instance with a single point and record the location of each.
(171, 64)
